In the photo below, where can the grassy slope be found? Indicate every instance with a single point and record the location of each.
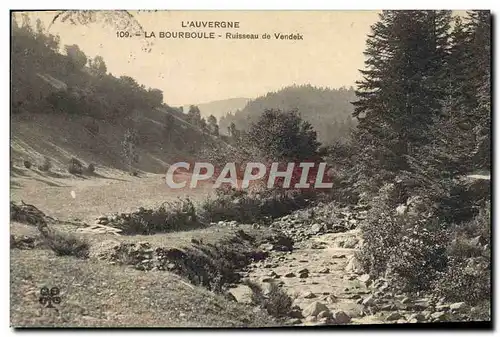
(105, 194)
(94, 295)
(61, 137)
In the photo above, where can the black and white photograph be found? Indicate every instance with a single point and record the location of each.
(293, 169)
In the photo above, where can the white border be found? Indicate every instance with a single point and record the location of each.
(189, 4)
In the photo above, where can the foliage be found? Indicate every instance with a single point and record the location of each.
(91, 168)
(283, 136)
(76, 55)
(468, 276)
(46, 165)
(75, 166)
(129, 149)
(276, 301)
(171, 216)
(67, 244)
(248, 207)
(327, 110)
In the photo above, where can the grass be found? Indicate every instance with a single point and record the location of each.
(95, 196)
(276, 302)
(97, 295)
(63, 243)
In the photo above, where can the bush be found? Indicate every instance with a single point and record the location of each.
(467, 280)
(468, 276)
(27, 164)
(75, 166)
(67, 244)
(417, 258)
(408, 248)
(179, 215)
(46, 165)
(276, 302)
(248, 207)
(90, 168)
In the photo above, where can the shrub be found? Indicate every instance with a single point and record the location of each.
(467, 280)
(75, 166)
(67, 244)
(90, 168)
(408, 248)
(468, 275)
(417, 258)
(276, 302)
(247, 207)
(179, 215)
(46, 165)
(27, 164)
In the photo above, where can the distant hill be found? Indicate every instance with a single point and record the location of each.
(328, 110)
(222, 107)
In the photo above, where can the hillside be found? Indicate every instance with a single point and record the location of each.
(66, 105)
(328, 110)
(222, 107)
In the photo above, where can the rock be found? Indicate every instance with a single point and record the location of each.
(421, 304)
(314, 309)
(310, 319)
(309, 295)
(316, 228)
(289, 275)
(387, 307)
(324, 321)
(476, 241)
(417, 317)
(266, 279)
(439, 315)
(459, 306)
(368, 300)
(354, 296)
(393, 316)
(22, 242)
(349, 242)
(341, 317)
(324, 314)
(365, 278)
(294, 321)
(266, 247)
(353, 266)
(330, 299)
(303, 270)
(296, 312)
(338, 256)
(405, 300)
(401, 209)
(412, 320)
(442, 307)
(324, 271)
(304, 275)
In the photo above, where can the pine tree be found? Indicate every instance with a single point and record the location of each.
(402, 86)
(479, 27)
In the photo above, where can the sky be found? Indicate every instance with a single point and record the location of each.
(191, 71)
